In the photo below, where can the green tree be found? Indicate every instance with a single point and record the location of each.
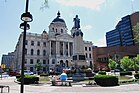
(38, 66)
(112, 64)
(136, 32)
(126, 63)
(136, 63)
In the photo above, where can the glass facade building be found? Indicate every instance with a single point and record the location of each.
(122, 35)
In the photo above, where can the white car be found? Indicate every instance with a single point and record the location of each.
(28, 72)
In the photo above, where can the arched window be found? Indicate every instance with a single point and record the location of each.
(53, 61)
(44, 52)
(38, 52)
(32, 51)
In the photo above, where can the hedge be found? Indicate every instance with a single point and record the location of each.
(136, 75)
(106, 80)
(125, 73)
(28, 79)
(102, 72)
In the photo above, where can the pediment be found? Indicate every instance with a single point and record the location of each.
(64, 36)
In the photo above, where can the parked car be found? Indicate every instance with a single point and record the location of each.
(13, 73)
(28, 72)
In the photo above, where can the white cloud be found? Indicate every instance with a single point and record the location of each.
(87, 27)
(91, 4)
(101, 42)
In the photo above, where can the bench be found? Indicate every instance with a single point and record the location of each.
(54, 83)
(8, 88)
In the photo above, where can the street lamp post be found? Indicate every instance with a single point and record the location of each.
(26, 17)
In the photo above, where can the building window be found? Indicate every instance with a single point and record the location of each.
(44, 44)
(53, 29)
(61, 30)
(44, 61)
(26, 42)
(38, 43)
(48, 61)
(38, 52)
(32, 51)
(31, 61)
(31, 69)
(25, 51)
(38, 60)
(89, 48)
(44, 53)
(32, 43)
(56, 30)
(44, 69)
(85, 48)
(53, 61)
(25, 61)
(86, 55)
(90, 56)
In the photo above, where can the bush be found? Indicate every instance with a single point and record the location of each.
(136, 75)
(125, 73)
(28, 79)
(106, 80)
(102, 72)
(44, 75)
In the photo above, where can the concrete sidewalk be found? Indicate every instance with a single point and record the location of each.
(47, 88)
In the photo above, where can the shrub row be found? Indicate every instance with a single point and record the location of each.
(102, 72)
(28, 79)
(125, 73)
(136, 75)
(106, 80)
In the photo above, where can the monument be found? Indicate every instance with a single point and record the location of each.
(79, 59)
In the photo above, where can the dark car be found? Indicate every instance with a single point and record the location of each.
(13, 73)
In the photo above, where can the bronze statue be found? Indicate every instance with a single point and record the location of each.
(76, 22)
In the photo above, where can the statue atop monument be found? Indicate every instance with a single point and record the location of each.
(76, 22)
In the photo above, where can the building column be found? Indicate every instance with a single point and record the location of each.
(68, 49)
(64, 49)
(50, 48)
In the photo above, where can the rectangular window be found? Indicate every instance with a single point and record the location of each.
(44, 61)
(25, 61)
(38, 43)
(89, 48)
(38, 60)
(26, 42)
(90, 56)
(85, 48)
(44, 44)
(31, 69)
(31, 61)
(32, 43)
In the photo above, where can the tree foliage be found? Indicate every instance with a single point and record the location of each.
(38, 66)
(136, 63)
(136, 32)
(112, 64)
(126, 63)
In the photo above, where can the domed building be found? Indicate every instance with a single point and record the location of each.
(54, 49)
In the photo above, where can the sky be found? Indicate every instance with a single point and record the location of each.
(96, 18)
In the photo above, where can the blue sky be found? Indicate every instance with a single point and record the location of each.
(97, 17)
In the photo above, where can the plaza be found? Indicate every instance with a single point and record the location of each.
(76, 88)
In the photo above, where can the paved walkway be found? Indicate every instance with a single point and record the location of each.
(47, 88)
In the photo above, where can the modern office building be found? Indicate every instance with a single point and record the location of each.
(54, 49)
(123, 35)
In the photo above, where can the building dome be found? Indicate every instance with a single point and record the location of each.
(58, 19)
